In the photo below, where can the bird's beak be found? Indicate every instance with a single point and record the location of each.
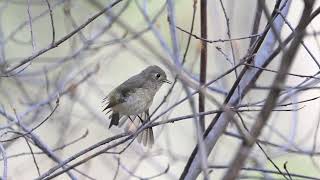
(166, 81)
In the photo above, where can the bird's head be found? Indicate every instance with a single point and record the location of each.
(155, 75)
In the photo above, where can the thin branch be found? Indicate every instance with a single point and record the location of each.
(63, 39)
(302, 42)
(256, 23)
(52, 23)
(274, 71)
(285, 168)
(117, 170)
(261, 148)
(5, 162)
(39, 16)
(34, 128)
(31, 29)
(229, 36)
(54, 149)
(218, 40)
(264, 171)
(32, 154)
(183, 60)
(203, 61)
(199, 134)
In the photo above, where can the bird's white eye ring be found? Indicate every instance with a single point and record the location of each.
(158, 75)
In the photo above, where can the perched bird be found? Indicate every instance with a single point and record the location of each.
(133, 97)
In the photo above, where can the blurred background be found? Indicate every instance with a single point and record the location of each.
(134, 34)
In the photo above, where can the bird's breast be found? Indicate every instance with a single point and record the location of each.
(136, 103)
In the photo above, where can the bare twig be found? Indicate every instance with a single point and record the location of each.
(33, 43)
(264, 171)
(54, 149)
(63, 39)
(218, 40)
(5, 163)
(256, 22)
(183, 60)
(285, 168)
(302, 42)
(34, 128)
(52, 23)
(203, 60)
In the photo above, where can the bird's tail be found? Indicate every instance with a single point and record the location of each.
(146, 137)
(114, 119)
(115, 116)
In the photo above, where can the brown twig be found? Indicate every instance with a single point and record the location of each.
(203, 59)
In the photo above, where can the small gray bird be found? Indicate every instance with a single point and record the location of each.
(133, 97)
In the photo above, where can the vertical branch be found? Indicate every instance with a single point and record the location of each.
(31, 29)
(183, 60)
(229, 34)
(2, 52)
(230, 42)
(199, 131)
(52, 24)
(5, 163)
(203, 59)
(315, 136)
(256, 23)
(173, 32)
(2, 41)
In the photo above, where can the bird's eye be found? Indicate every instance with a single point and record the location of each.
(158, 75)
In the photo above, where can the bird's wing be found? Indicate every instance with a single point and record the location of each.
(123, 91)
